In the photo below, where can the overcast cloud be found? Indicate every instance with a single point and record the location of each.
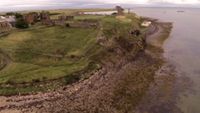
(39, 4)
(42, 2)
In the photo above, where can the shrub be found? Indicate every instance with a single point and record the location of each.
(20, 22)
(10, 13)
(11, 82)
(44, 78)
(69, 79)
(36, 80)
(18, 16)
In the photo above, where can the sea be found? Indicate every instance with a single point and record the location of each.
(182, 50)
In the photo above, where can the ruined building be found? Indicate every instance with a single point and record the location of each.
(45, 18)
(66, 18)
(58, 22)
(31, 18)
(61, 21)
(120, 10)
(9, 19)
(5, 26)
(6, 23)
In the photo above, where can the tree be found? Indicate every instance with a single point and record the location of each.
(10, 13)
(18, 16)
(20, 22)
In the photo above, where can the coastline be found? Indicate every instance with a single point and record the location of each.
(95, 89)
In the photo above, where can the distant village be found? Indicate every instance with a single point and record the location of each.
(21, 21)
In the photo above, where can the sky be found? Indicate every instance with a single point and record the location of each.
(40, 4)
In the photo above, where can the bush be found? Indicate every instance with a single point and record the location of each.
(10, 13)
(36, 80)
(11, 82)
(18, 16)
(92, 66)
(20, 22)
(72, 78)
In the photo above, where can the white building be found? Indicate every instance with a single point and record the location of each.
(10, 19)
(100, 13)
(146, 23)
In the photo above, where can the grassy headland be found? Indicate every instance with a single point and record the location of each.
(109, 66)
(40, 53)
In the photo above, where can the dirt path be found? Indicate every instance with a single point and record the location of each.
(5, 59)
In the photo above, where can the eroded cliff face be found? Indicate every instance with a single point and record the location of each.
(116, 88)
(120, 86)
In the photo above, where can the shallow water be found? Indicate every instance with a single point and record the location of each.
(182, 49)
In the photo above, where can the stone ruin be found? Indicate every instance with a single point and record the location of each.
(31, 18)
(65, 18)
(120, 10)
(46, 20)
(62, 20)
(86, 23)
(5, 26)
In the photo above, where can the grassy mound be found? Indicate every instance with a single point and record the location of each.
(46, 53)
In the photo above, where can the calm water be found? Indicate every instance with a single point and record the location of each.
(182, 49)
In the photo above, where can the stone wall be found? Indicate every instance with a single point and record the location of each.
(66, 18)
(31, 18)
(5, 26)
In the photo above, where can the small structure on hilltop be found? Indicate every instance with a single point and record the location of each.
(31, 18)
(120, 10)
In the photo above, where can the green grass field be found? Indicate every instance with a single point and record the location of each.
(49, 52)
